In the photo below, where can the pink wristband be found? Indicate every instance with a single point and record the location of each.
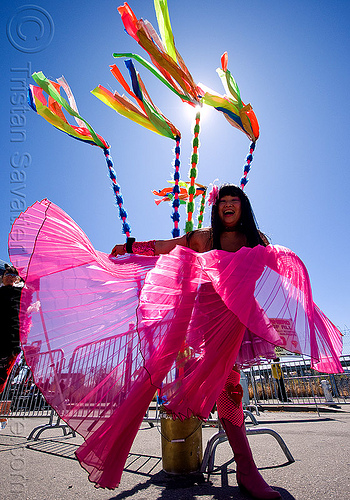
(144, 247)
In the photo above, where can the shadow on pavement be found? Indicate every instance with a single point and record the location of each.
(171, 487)
(54, 447)
(190, 487)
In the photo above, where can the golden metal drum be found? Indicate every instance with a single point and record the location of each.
(181, 444)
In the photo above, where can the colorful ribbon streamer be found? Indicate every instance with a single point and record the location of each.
(51, 110)
(167, 194)
(144, 112)
(169, 66)
(238, 114)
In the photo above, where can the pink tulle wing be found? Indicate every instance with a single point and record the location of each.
(79, 333)
(284, 292)
(101, 335)
(234, 277)
(329, 344)
(51, 244)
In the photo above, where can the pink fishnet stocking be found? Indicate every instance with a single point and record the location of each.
(227, 408)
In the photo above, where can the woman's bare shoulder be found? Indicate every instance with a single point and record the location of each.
(200, 239)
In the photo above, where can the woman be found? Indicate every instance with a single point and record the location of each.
(199, 303)
(233, 227)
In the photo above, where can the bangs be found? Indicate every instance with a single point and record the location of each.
(230, 190)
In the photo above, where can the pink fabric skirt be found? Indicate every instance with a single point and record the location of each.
(102, 335)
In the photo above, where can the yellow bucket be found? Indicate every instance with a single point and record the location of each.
(181, 444)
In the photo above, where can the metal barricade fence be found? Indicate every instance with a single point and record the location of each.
(21, 397)
(294, 382)
(88, 369)
(299, 384)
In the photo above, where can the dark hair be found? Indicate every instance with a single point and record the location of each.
(10, 270)
(247, 224)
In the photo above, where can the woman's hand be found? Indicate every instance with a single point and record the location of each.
(118, 250)
(160, 246)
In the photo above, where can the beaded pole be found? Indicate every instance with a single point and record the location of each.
(249, 159)
(201, 210)
(119, 198)
(193, 175)
(176, 202)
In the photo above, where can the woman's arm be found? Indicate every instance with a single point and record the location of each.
(199, 240)
(165, 246)
(158, 246)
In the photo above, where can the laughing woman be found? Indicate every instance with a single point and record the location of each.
(233, 228)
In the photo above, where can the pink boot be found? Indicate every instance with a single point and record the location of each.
(230, 412)
(248, 476)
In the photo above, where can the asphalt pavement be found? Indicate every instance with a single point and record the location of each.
(46, 469)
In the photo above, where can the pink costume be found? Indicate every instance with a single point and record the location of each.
(102, 334)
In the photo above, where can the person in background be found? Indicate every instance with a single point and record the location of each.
(278, 376)
(10, 296)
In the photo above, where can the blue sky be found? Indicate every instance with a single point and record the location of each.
(289, 60)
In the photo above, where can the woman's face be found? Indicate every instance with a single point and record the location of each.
(229, 210)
